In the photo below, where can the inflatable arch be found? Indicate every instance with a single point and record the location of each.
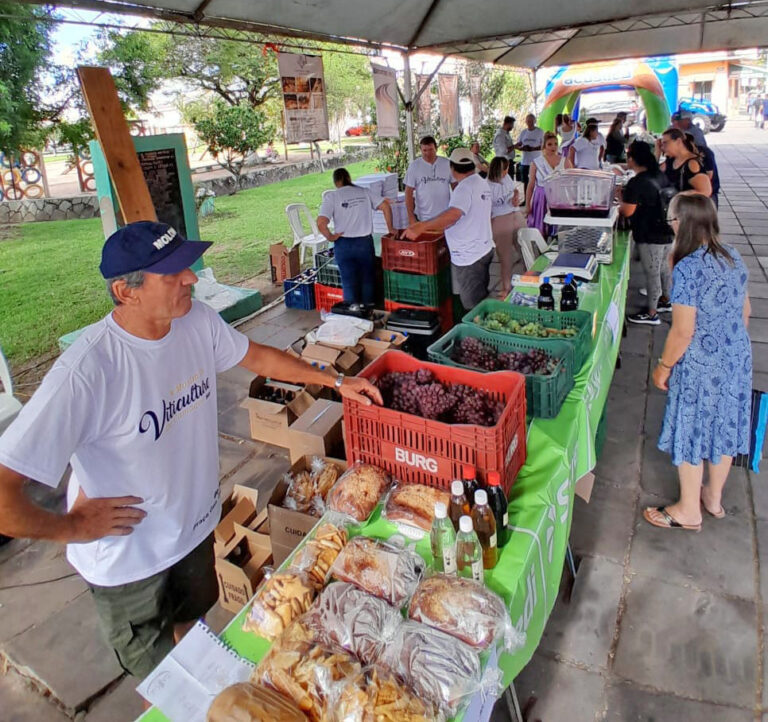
(655, 81)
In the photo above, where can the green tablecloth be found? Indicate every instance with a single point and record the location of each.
(560, 452)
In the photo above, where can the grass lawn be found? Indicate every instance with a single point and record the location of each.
(49, 277)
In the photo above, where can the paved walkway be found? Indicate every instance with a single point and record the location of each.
(664, 626)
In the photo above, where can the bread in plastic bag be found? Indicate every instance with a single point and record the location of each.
(318, 553)
(300, 491)
(438, 668)
(308, 489)
(465, 609)
(414, 504)
(282, 598)
(305, 671)
(248, 702)
(358, 491)
(353, 619)
(380, 568)
(376, 695)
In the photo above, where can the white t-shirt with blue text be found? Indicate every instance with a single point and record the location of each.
(351, 210)
(431, 183)
(134, 417)
(470, 238)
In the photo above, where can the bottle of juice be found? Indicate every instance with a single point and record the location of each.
(569, 297)
(497, 500)
(546, 296)
(469, 552)
(459, 505)
(470, 482)
(485, 526)
(442, 539)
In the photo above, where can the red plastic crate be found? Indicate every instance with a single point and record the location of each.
(327, 296)
(445, 311)
(417, 450)
(426, 256)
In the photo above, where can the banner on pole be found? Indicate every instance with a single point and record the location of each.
(448, 87)
(387, 106)
(475, 99)
(425, 104)
(303, 85)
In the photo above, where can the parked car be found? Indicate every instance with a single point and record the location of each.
(358, 130)
(705, 114)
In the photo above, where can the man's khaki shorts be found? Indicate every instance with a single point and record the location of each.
(138, 618)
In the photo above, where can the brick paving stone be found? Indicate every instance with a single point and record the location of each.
(120, 704)
(600, 527)
(21, 703)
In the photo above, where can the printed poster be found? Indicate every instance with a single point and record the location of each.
(475, 99)
(424, 104)
(387, 106)
(303, 85)
(448, 88)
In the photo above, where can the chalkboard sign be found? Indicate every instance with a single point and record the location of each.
(162, 176)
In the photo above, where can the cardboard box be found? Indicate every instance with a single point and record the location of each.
(270, 421)
(283, 262)
(343, 361)
(240, 507)
(240, 567)
(379, 341)
(317, 431)
(287, 527)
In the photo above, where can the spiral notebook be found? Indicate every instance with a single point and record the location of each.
(185, 683)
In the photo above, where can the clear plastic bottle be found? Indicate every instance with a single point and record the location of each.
(469, 552)
(497, 500)
(459, 505)
(484, 523)
(442, 539)
(546, 295)
(471, 484)
(569, 296)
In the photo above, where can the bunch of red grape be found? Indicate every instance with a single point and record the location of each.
(473, 352)
(421, 394)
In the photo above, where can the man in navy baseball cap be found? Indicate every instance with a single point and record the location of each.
(148, 246)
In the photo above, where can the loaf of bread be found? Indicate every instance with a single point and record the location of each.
(414, 504)
(358, 491)
(246, 702)
(379, 568)
(462, 608)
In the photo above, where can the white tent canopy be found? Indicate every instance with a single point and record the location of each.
(508, 32)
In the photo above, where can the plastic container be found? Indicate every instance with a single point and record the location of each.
(422, 326)
(300, 291)
(469, 480)
(427, 256)
(327, 271)
(418, 289)
(459, 505)
(582, 320)
(432, 452)
(444, 312)
(576, 192)
(544, 395)
(469, 551)
(327, 296)
(442, 540)
(498, 503)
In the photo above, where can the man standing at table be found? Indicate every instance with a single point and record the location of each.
(131, 405)
(530, 140)
(467, 226)
(683, 119)
(427, 183)
(503, 145)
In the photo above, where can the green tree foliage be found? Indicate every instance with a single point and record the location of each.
(349, 87)
(24, 56)
(233, 133)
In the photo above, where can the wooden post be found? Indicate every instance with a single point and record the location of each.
(115, 139)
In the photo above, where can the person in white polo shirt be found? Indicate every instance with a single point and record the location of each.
(467, 226)
(529, 141)
(427, 183)
(503, 145)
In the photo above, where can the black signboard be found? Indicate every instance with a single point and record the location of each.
(162, 176)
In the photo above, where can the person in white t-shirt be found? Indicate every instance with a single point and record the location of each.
(427, 183)
(351, 208)
(529, 141)
(587, 150)
(506, 221)
(131, 405)
(467, 226)
(503, 145)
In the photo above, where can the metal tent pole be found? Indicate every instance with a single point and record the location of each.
(408, 98)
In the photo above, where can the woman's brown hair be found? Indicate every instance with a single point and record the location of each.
(698, 226)
(677, 134)
(549, 135)
(498, 169)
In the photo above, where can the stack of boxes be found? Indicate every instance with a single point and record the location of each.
(417, 274)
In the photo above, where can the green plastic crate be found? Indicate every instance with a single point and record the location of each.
(417, 289)
(544, 395)
(582, 320)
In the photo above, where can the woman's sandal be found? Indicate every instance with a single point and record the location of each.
(667, 521)
(719, 515)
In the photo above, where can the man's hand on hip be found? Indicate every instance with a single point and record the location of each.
(92, 519)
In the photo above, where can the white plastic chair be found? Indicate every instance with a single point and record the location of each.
(9, 405)
(297, 214)
(526, 247)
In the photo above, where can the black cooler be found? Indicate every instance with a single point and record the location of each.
(421, 327)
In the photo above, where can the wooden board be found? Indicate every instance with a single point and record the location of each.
(112, 132)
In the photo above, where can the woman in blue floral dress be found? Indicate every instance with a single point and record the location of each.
(706, 365)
